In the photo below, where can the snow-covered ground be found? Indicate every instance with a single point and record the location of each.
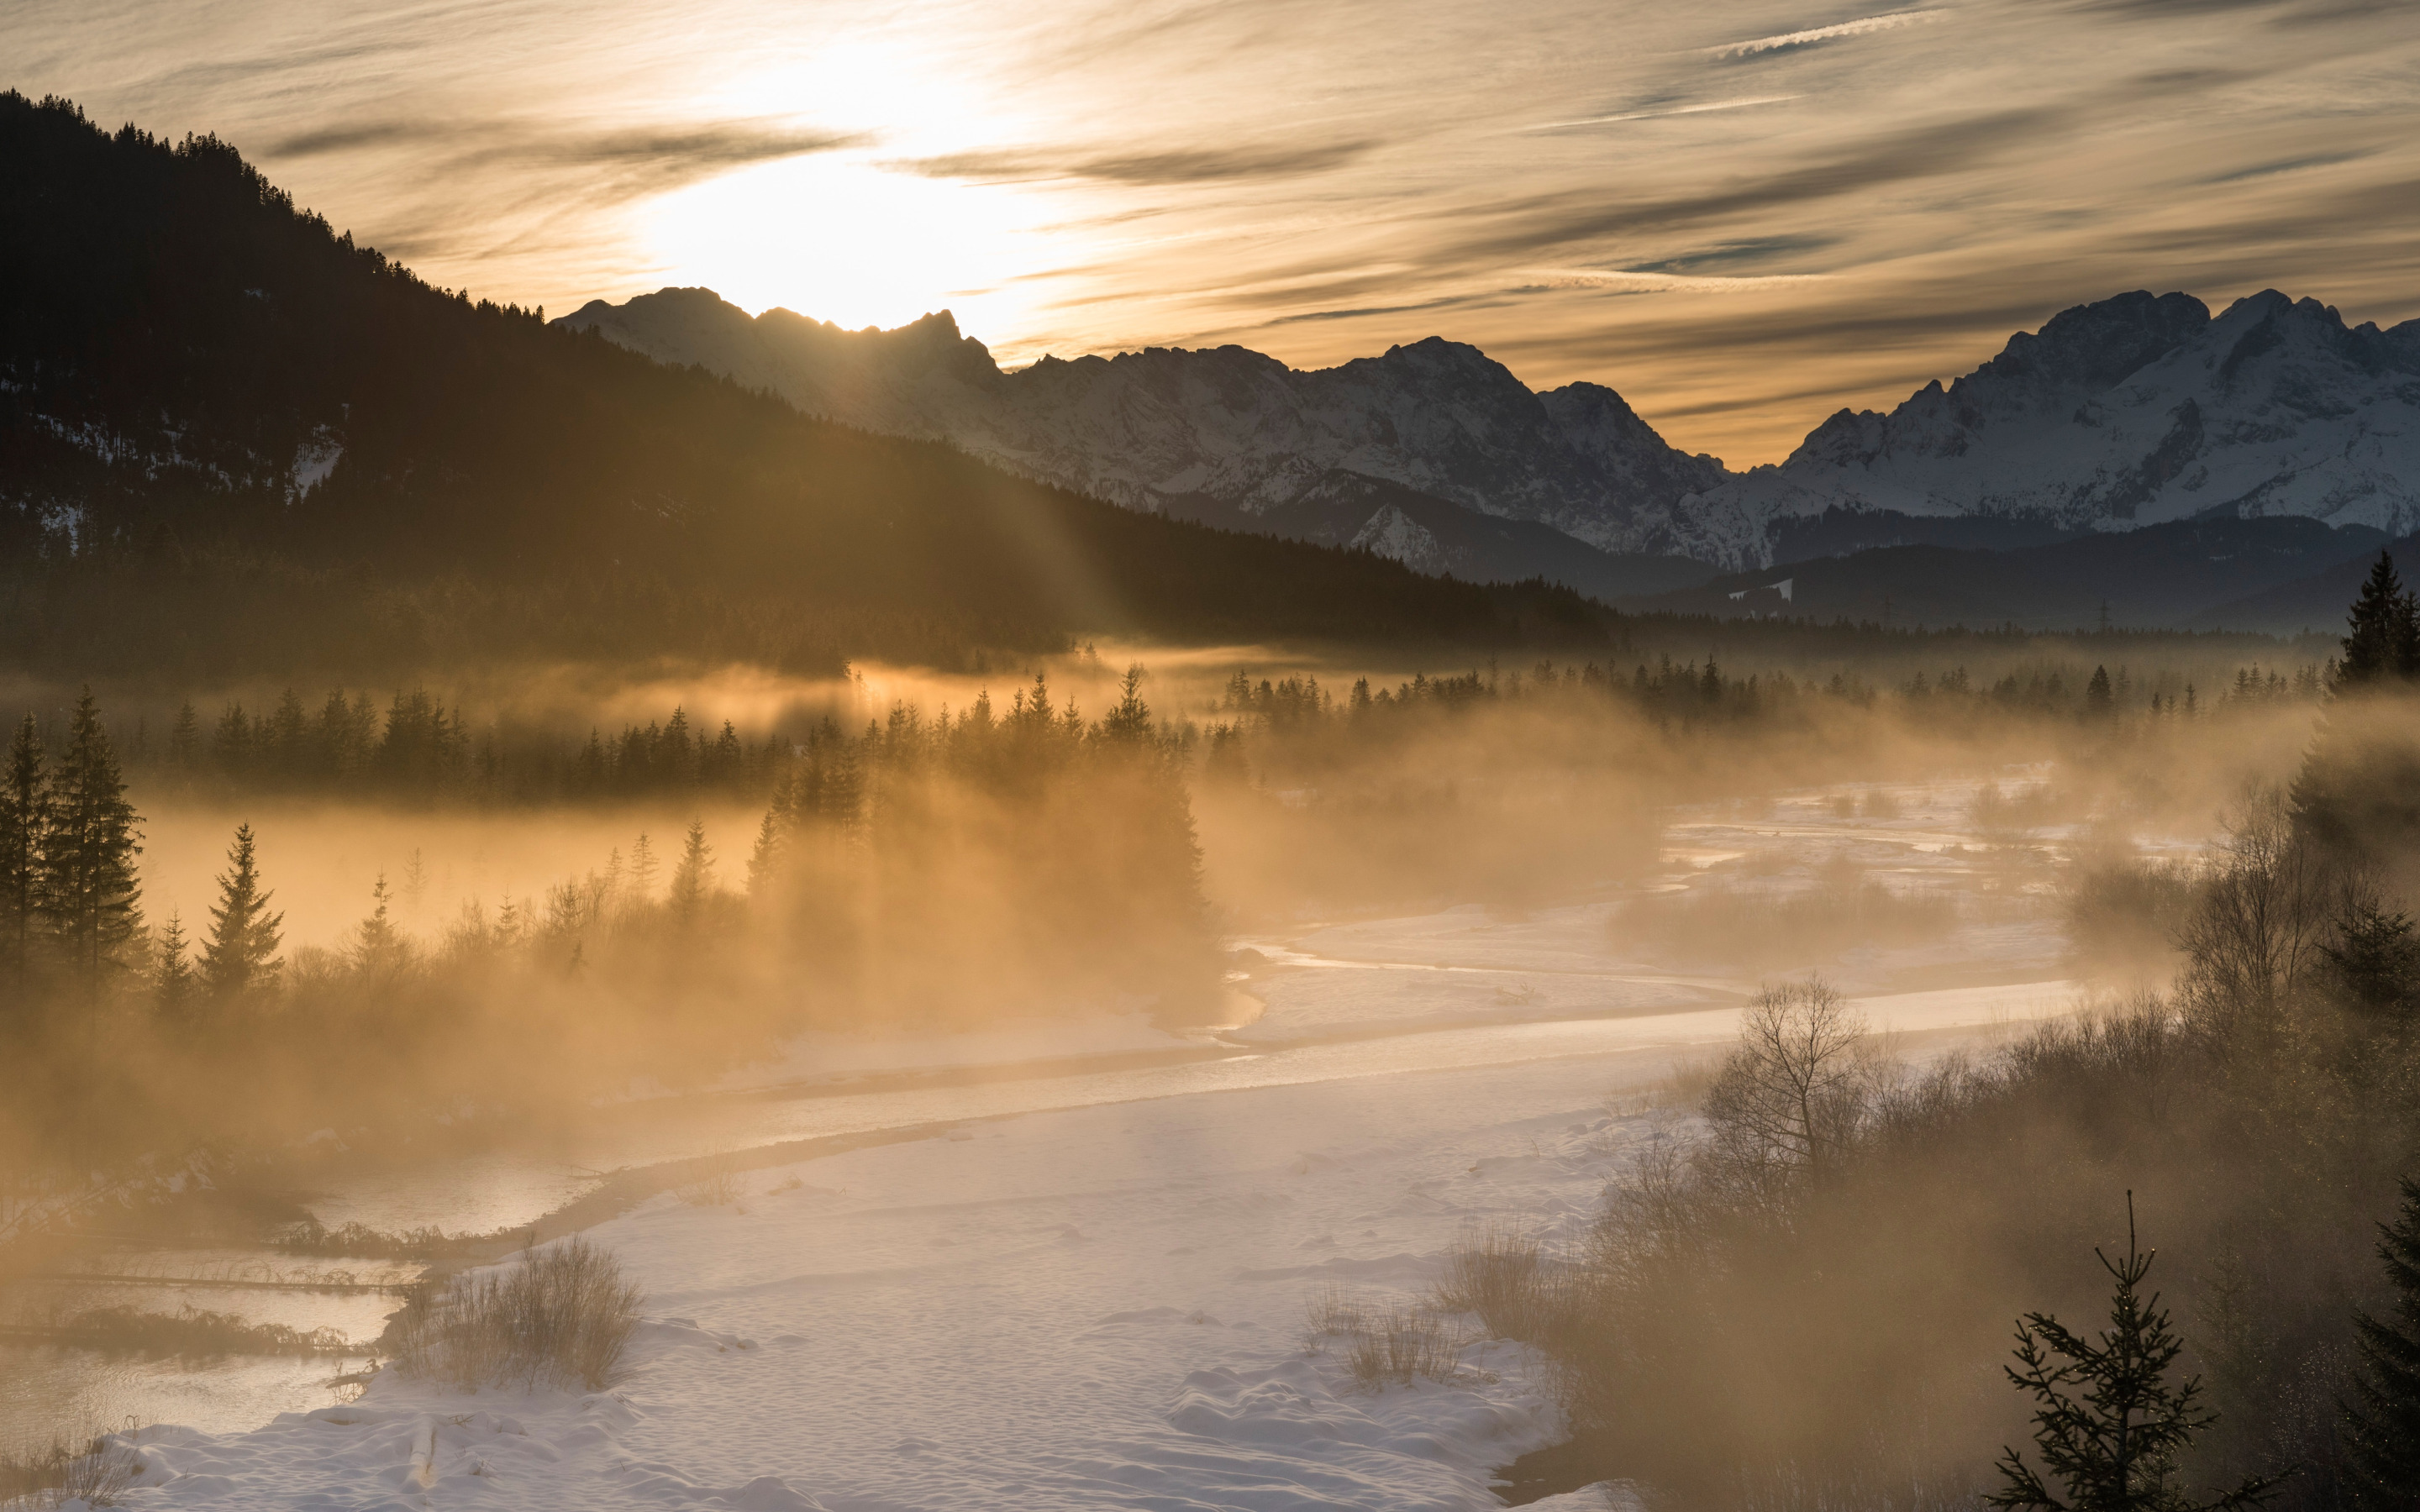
(1089, 1289)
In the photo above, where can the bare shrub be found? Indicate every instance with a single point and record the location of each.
(2262, 916)
(554, 1317)
(1878, 803)
(720, 1185)
(2123, 913)
(1797, 1088)
(358, 1241)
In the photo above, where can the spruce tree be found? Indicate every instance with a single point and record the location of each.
(643, 867)
(2374, 966)
(89, 886)
(765, 861)
(2109, 1425)
(24, 815)
(232, 746)
(171, 977)
(2383, 641)
(185, 741)
(242, 954)
(1129, 723)
(690, 878)
(2358, 791)
(2097, 699)
(378, 949)
(2380, 1426)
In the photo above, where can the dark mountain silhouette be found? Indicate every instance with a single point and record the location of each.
(2313, 603)
(2215, 574)
(226, 429)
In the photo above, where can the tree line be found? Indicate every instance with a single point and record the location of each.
(422, 750)
(928, 869)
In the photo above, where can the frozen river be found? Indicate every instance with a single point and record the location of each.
(1017, 1282)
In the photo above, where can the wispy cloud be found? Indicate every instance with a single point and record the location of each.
(626, 162)
(1741, 103)
(1175, 165)
(1692, 282)
(1863, 26)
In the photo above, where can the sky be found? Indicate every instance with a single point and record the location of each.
(1742, 214)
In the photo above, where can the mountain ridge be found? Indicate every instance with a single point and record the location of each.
(2135, 410)
(1145, 427)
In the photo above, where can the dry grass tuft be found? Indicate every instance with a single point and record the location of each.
(1392, 1344)
(557, 1317)
(1503, 1276)
(38, 1480)
(719, 1185)
(1399, 1344)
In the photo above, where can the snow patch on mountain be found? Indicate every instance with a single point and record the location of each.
(1397, 536)
(2135, 410)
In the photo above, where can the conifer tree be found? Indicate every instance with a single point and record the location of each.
(2098, 698)
(88, 881)
(284, 739)
(2380, 1425)
(231, 747)
(185, 741)
(242, 954)
(378, 948)
(2358, 791)
(2375, 963)
(2382, 640)
(765, 860)
(172, 977)
(2109, 1425)
(24, 813)
(1129, 723)
(643, 867)
(689, 877)
(415, 881)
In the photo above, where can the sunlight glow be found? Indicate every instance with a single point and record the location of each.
(839, 239)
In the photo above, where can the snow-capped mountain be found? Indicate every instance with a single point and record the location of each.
(2134, 411)
(1227, 425)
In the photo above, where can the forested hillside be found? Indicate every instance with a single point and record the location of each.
(233, 439)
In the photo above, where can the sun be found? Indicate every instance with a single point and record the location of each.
(861, 235)
(843, 238)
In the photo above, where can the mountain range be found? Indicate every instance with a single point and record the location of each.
(2134, 411)
(232, 439)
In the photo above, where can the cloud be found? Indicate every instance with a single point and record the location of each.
(1448, 302)
(1787, 41)
(1741, 103)
(1931, 151)
(1733, 254)
(2285, 165)
(640, 160)
(1205, 165)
